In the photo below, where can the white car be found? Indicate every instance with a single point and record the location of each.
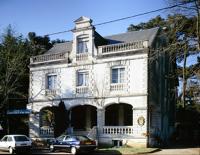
(15, 143)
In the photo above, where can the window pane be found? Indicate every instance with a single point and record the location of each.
(20, 138)
(51, 82)
(118, 75)
(115, 75)
(121, 75)
(82, 46)
(82, 79)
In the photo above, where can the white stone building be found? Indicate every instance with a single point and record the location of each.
(107, 87)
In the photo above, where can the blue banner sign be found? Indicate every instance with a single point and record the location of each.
(18, 112)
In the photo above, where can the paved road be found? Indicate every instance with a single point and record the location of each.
(40, 152)
(174, 151)
(178, 151)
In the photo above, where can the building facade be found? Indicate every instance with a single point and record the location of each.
(109, 88)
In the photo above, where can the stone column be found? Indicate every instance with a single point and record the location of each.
(88, 118)
(100, 119)
(34, 125)
(140, 114)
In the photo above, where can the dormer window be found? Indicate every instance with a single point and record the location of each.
(82, 46)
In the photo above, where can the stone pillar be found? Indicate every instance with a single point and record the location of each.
(100, 119)
(121, 115)
(34, 125)
(70, 118)
(70, 128)
(88, 118)
(140, 121)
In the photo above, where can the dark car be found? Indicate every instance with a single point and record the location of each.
(73, 143)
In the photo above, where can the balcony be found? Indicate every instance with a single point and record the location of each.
(50, 92)
(82, 89)
(117, 86)
(48, 58)
(81, 56)
(122, 47)
(118, 130)
(46, 131)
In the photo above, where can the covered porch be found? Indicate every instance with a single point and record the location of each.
(117, 121)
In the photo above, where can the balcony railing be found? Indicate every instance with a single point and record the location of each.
(49, 57)
(118, 130)
(81, 89)
(122, 47)
(81, 56)
(46, 131)
(117, 86)
(51, 92)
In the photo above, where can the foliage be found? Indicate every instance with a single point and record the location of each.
(48, 117)
(154, 22)
(13, 66)
(15, 53)
(38, 44)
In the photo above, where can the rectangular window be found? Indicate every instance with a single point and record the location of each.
(51, 82)
(118, 75)
(82, 46)
(82, 78)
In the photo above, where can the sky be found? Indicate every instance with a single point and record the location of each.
(49, 16)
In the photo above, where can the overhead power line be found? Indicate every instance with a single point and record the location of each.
(124, 18)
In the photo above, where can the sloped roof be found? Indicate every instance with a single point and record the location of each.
(148, 34)
(61, 47)
(82, 19)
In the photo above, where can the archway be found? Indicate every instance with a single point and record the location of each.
(83, 117)
(119, 115)
(47, 117)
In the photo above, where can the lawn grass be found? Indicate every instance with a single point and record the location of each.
(125, 150)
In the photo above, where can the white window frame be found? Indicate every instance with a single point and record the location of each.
(85, 79)
(82, 45)
(54, 86)
(120, 78)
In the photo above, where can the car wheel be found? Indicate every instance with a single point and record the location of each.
(11, 151)
(73, 150)
(52, 149)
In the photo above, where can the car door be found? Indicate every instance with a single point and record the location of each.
(59, 142)
(10, 142)
(66, 142)
(3, 143)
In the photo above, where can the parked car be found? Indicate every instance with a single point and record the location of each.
(73, 143)
(15, 143)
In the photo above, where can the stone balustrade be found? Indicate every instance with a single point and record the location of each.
(118, 130)
(51, 92)
(46, 131)
(117, 86)
(81, 56)
(122, 47)
(81, 89)
(49, 57)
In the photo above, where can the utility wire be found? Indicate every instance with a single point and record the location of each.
(124, 18)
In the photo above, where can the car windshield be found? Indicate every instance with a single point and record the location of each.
(60, 138)
(21, 138)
